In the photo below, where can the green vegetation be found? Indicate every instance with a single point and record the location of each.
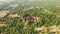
(47, 15)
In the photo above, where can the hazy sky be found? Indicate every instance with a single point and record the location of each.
(33, 0)
(5, 0)
(1, 0)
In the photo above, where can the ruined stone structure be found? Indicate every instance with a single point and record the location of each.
(30, 18)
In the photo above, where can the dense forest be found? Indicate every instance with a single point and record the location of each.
(29, 18)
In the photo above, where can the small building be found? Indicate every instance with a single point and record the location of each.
(14, 5)
(42, 30)
(13, 15)
(29, 8)
(58, 29)
(1, 25)
(4, 13)
(53, 29)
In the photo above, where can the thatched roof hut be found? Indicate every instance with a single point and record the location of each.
(53, 28)
(59, 28)
(1, 25)
(13, 15)
(42, 29)
(4, 13)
